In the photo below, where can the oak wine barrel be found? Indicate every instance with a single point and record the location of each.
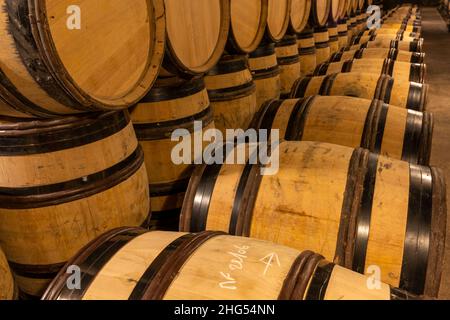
(289, 61)
(7, 285)
(171, 104)
(320, 12)
(247, 25)
(63, 183)
(278, 19)
(142, 265)
(353, 122)
(410, 95)
(51, 68)
(195, 43)
(266, 73)
(300, 11)
(232, 93)
(378, 53)
(307, 52)
(322, 43)
(351, 26)
(400, 71)
(355, 208)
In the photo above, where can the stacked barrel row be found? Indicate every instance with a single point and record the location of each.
(88, 137)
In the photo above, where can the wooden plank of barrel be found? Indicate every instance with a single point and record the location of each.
(333, 38)
(353, 122)
(247, 25)
(196, 42)
(342, 33)
(355, 208)
(307, 52)
(412, 46)
(7, 285)
(403, 94)
(142, 265)
(322, 43)
(378, 53)
(300, 11)
(172, 104)
(400, 71)
(289, 62)
(62, 72)
(266, 73)
(278, 19)
(63, 183)
(232, 93)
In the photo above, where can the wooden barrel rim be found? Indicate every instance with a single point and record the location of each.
(299, 28)
(182, 69)
(40, 136)
(69, 191)
(259, 36)
(314, 19)
(63, 86)
(277, 37)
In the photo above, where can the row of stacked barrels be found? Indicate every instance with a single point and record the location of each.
(444, 9)
(86, 166)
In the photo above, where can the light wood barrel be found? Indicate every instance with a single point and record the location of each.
(378, 53)
(400, 71)
(410, 95)
(356, 208)
(278, 19)
(322, 43)
(336, 10)
(333, 38)
(289, 62)
(196, 42)
(232, 93)
(63, 183)
(353, 122)
(266, 73)
(172, 104)
(412, 46)
(342, 33)
(49, 69)
(7, 286)
(320, 12)
(300, 11)
(142, 265)
(247, 25)
(307, 52)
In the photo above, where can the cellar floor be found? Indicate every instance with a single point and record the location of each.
(437, 48)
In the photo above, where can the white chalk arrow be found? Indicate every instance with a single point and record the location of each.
(269, 261)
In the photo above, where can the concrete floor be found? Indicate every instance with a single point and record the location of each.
(437, 48)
